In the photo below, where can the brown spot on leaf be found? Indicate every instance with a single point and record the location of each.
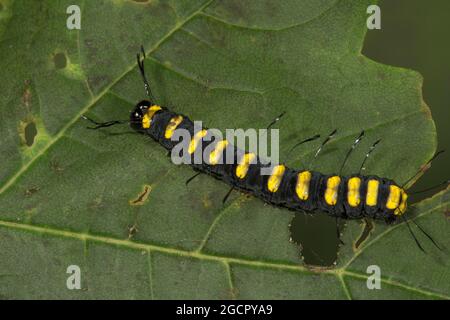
(142, 197)
(132, 230)
(55, 166)
(26, 96)
(95, 204)
(30, 191)
(98, 81)
(59, 60)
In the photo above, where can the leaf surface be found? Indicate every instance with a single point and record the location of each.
(66, 194)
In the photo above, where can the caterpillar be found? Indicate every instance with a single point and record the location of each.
(353, 196)
(349, 197)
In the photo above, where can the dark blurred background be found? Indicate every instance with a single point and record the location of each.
(414, 34)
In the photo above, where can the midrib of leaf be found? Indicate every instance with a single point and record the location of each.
(340, 273)
(61, 133)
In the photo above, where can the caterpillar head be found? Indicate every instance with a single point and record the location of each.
(138, 113)
(141, 116)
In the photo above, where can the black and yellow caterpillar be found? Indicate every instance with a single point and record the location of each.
(349, 197)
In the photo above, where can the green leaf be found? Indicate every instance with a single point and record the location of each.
(68, 195)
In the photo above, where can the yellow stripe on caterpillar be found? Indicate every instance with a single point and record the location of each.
(214, 156)
(275, 178)
(147, 118)
(372, 192)
(393, 199)
(331, 192)
(402, 207)
(173, 124)
(302, 186)
(353, 195)
(194, 141)
(242, 168)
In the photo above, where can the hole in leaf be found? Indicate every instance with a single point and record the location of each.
(60, 60)
(316, 234)
(30, 133)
